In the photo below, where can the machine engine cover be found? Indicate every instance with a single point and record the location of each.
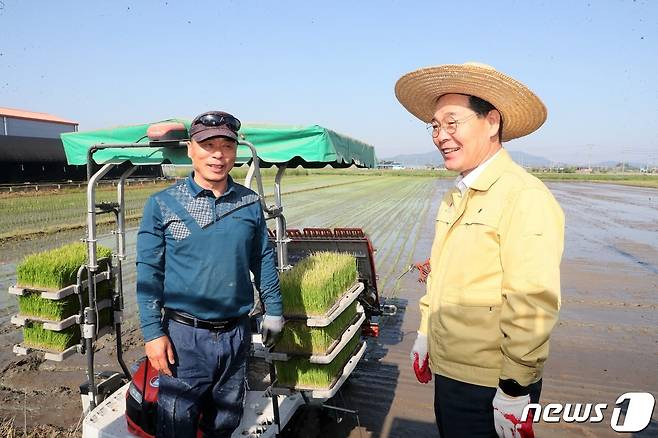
(142, 400)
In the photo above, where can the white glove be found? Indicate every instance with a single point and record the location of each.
(507, 416)
(420, 359)
(271, 329)
(419, 349)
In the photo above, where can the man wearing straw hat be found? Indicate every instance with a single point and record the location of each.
(493, 293)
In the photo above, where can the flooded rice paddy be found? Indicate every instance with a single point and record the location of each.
(605, 344)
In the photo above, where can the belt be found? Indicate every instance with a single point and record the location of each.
(186, 319)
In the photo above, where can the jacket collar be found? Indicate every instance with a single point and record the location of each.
(196, 189)
(493, 171)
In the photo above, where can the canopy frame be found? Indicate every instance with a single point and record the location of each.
(90, 313)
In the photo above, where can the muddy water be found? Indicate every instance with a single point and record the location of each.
(605, 344)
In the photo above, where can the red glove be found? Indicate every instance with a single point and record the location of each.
(423, 373)
(420, 359)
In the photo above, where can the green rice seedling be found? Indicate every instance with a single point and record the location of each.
(314, 284)
(298, 338)
(34, 335)
(300, 373)
(56, 268)
(32, 304)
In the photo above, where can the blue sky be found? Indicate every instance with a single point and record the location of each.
(106, 63)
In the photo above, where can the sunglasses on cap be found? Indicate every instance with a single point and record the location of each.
(219, 120)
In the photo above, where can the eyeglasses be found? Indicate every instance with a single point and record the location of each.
(219, 120)
(449, 124)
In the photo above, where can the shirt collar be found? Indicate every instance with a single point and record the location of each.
(463, 183)
(197, 190)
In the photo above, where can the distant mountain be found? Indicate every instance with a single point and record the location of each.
(417, 160)
(434, 158)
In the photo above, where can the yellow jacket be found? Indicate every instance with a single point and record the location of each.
(493, 293)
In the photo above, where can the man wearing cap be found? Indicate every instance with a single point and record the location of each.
(197, 244)
(493, 293)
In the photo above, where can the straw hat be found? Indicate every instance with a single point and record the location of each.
(522, 111)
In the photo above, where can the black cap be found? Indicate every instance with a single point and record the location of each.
(200, 131)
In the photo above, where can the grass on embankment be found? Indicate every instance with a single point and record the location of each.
(631, 179)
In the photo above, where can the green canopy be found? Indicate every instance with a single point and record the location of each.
(306, 146)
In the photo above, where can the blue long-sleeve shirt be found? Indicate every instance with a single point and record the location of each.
(195, 251)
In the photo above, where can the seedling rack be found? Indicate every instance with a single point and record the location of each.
(65, 291)
(31, 322)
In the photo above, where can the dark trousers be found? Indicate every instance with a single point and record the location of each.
(465, 410)
(207, 388)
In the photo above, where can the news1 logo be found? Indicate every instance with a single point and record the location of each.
(638, 414)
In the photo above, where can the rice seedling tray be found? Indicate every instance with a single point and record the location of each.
(348, 369)
(300, 374)
(61, 293)
(316, 282)
(56, 356)
(20, 320)
(336, 384)
(298, 338)
(333, 350)
(339, 307)
(33, 305)
(38, 338)
(57, 268)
